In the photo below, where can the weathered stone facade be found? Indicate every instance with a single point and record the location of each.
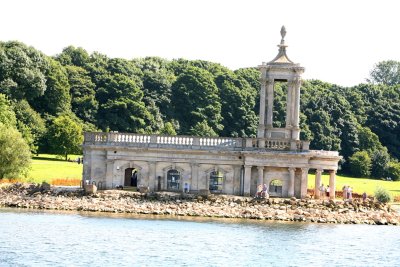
(234, 166)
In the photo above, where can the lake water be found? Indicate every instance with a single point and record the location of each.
(36, 238)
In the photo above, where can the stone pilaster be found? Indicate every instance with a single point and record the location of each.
(318, 174)
(291, 182)
(247, 179)
(194, 177)
(260, 177)
(332, 184)
(111, 175)
(152, 176)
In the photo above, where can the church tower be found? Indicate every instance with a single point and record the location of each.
(280, 69)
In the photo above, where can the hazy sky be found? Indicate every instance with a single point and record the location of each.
(336, 41)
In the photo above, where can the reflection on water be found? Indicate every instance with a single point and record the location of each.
(31, 238)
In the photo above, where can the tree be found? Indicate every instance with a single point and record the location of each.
(380, 160)
(386, 72)
(29, 123)
(369, 141)
(7, 115)
(56, 98)
(203, 129)
(22, 71)
(393, 170)
(360, 164)
(168, 129)
(83, 95)
(65, 136)
(15, 156)
(195, 97)
(73, 56)
(237, 102)
(121, 106)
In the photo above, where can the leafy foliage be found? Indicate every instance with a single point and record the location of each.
(65, 136)
(360, 164)
(195, 98)
(393, 170)
(380, 160)
(386, 72)
(202, 129)
(382, 195)
(156, 95)
(15, 156)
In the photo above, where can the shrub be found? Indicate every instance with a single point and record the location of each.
(393, 170)
(382, 195)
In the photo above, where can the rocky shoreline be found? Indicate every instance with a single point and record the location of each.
(219, 206)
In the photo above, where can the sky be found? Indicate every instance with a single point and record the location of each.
(336, 41)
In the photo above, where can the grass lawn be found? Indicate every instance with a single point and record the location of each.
(46, 168)
(359, 185)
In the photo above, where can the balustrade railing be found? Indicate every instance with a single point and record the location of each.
(192, 142)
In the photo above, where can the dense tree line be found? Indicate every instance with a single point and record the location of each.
(50, 101)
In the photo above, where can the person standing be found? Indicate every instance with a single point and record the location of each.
(349, 193)
(344, 189)
(364, 196)
(327, 191)
(322, 191)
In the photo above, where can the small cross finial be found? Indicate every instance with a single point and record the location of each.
(283, 32)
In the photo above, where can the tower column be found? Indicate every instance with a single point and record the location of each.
(261, 123)
(289, 105)
(270, 104)
(296, 113)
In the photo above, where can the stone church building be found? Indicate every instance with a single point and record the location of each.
(236, 166)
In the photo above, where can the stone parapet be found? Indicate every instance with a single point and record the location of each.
(193, 142)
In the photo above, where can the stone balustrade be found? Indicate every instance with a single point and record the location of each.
(193, 142)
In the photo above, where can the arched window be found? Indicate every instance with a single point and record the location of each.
(275, 188)
(216, 182)
(173, 180)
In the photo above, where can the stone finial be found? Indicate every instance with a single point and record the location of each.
(283, 34)
(282, 58)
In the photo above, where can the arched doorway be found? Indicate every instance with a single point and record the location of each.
(173, 180)
(216, 182)
(131, 177)
(275, 188)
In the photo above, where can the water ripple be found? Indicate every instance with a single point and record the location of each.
(66, 239)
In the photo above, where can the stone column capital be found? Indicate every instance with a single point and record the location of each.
(248, 166)
(305, 170)
(292, 169)
(260, 167)
(319, 171)
(332, 171)
(268, 81)
(295, 80)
